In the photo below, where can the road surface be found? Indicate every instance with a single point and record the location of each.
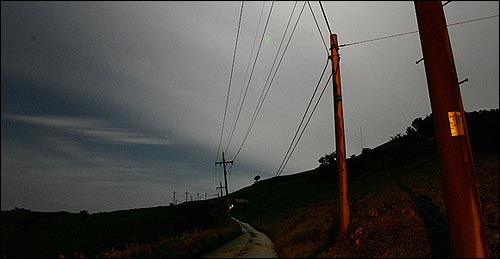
(250, 244)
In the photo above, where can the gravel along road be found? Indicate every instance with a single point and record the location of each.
(250, 244)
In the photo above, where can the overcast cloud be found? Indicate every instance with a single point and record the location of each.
(116, 105)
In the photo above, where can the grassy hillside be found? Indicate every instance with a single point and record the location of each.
(396, 202)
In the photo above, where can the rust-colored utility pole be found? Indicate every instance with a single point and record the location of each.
(224, 162)
(339, 136)
(463, 208)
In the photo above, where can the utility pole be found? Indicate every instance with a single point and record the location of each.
(361, 136)
(174, 199)
(463, 208)
(224, 162)
(219, 188)
(339, 136)
(187, 195)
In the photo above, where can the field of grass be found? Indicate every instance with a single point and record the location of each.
(186, 230)
(396, 206)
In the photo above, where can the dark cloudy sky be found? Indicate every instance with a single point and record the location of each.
(116, 105)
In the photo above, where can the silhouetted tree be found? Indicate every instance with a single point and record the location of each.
(483, 128)
(328, 159)
(256, 178)
(411, 132)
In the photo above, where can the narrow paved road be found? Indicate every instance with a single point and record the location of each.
(250, 244)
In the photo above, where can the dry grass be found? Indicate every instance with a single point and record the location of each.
(394, 214)
(187, 245)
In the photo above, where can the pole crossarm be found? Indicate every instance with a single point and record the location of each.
(224, 162)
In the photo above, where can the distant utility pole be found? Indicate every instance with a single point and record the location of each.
(463, 208)
(361, 136)
(339, 136)
(174, 198)
(224, 162)
(219, 188)
(187, 195)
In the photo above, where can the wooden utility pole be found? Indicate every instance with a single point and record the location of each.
(339, 136)
(224, 162)
(187, 196)
(463, 208)
(175, 203)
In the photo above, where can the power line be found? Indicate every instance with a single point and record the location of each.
(473, 20)
(305, 126)
(317, 26)
(272, 66)
(282, 166)
(230, 79)
(259, 105)
(447, 2)
(334, 73)
(324, 16)
(412, 32)
(253, 67)
(303, 117)
(381, 38)
(228, 92)
(262, 96)
(307, 123)
(233, 127)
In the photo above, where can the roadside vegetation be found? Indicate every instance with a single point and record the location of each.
(189, 244)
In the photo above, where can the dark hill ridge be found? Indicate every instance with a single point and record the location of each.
(417, 143)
